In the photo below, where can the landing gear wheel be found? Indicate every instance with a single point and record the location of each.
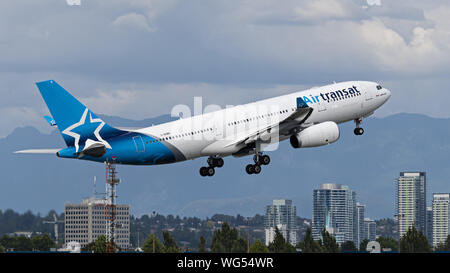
(204, 171)
(211, 161)
(265, 160)
(256, 169)
(249, 169)
(211, 171)
(358, 131)
(219, 162)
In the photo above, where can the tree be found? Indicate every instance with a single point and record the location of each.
(387, 242)
(148, 245)
(225, 240)
(98, 246)
(348, 246)
(202, 245)
(279, 244)
(42, 243)
(22, 243)
(308, 245)
(445, 246)
(414, 242)
(2, 249)
(363, 245)
(258, 247)
(239, 246)
(329, 244)
(170, 246)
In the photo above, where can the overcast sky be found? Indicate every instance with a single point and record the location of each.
(139, 58)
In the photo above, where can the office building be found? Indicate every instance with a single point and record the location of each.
(370, 229)
(411, 201)
(360, 231)
(440, 217)
(429, 225)
(281, 214)
(334, 209)
(84, 222)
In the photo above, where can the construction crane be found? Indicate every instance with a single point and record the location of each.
(55, 222)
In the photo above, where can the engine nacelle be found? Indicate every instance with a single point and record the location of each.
(316, 135)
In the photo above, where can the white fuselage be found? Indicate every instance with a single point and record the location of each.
(215, 133)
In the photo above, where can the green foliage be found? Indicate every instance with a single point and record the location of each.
(348, 246)
(414, 242)
(280, 245)
(148, 245)
(258, 247)
(11, 221)
(43, 243)
(387, 242)
(363, 245)
(22, 243)
(98, 246)
(202, 245)
(328, 242)
(308, 245)
(445, 246)
(225, 240)
(240, 246)
(170, 246)
(2, 249)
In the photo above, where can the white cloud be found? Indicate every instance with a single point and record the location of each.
(133, 20)
(320, 9)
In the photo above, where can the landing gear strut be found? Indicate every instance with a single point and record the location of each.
(358, 130)
(212, 163)
(259, 160)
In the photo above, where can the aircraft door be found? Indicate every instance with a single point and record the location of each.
(139, 143)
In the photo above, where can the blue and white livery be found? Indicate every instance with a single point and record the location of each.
(307, 118)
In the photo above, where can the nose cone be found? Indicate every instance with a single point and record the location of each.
(388, 94)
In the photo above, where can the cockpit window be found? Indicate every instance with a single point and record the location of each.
(379, 87)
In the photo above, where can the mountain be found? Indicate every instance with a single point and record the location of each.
(368, 164)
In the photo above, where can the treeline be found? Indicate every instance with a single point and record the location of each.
(189, 230)
(11, 221)
(21, 243)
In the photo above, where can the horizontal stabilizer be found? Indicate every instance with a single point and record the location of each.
(50, 120)
(38, 151)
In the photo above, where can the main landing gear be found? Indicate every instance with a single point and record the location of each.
(259, 161)
(212, 163)
(358, 130)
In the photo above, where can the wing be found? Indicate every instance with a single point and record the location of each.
(38, 151)
(285, 127)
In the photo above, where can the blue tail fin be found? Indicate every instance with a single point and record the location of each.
(76, 122)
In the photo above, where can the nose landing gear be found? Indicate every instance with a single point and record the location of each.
(358, 130)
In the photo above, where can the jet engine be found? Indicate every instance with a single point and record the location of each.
(316, 135)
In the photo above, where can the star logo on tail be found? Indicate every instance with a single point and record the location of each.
(86, 129)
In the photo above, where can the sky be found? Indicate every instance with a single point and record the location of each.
(139, 58)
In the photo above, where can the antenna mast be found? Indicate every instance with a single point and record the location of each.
(111, 206)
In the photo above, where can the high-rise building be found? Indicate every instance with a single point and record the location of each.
(360, 231)
(411, 201)
(334, 207)
(429, 225)
(281, 214)
(84, 222)
(370, 227)
(441, 217)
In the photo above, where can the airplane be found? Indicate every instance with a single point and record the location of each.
(307, 118)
